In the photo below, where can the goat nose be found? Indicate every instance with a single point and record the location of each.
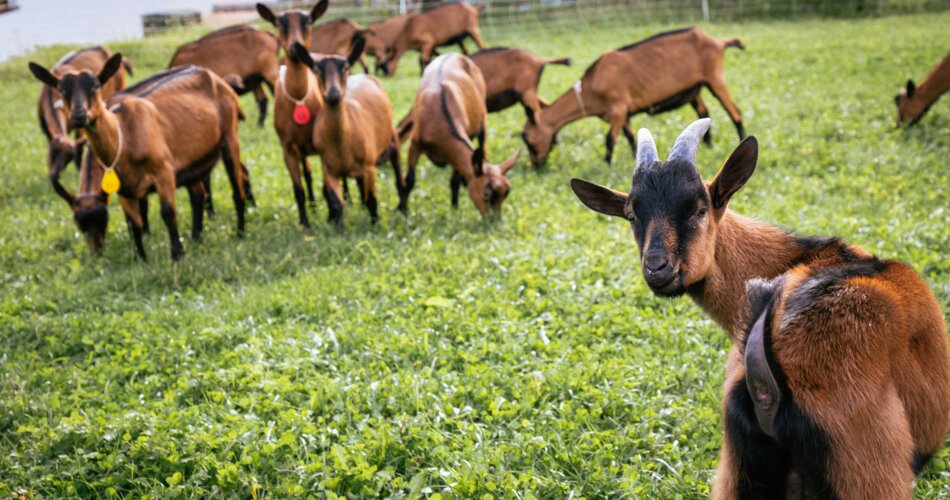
(333, 97)
(655, 262)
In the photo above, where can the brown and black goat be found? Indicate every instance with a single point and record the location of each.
(353, 132)
(297, 99)
(166, 131)
(915, 100)
(448, 112)
(63, 149)
(691, 243)
(654, 75)
(447, 24)
(337, 37)
(511, 76)
(381, 36)
(250, 55)
(813, 400)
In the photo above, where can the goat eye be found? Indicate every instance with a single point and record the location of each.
(632, 217)
(701, 212)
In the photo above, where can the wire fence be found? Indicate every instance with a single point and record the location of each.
(500, 14)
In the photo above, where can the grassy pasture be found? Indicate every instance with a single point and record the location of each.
(439, 355)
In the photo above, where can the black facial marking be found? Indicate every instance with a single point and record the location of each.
(673, 191)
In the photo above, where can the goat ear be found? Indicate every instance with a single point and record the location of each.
(735, 172)
(599, 198)
(110, 68)
(530, 112)
(42, 74)
(318, 10)
(266, 14)
(509, 163)
(301, 53)
(478, 159)
(356, 50)
(911, 88)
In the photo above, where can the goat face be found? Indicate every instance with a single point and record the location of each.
(331, 70)
(80, 90)
(490, 186)
(539, 139)
(674, 215)
(293, 26)
(92, 217)
(909, 110)
(62, 152)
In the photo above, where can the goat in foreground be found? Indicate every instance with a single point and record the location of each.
(448, 112)
(511, 76)
(813, 402)
(915, 100)
(297, 100)
(654, 75)
(52, 113)
(354, 131)
(446, 24)
(166, 131)
(691, 243)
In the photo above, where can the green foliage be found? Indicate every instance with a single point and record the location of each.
(438, 355)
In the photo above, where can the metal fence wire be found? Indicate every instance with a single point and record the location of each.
(510, 13)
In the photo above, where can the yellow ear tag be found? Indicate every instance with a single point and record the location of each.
(110, 182)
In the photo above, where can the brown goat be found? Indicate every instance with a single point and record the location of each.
(243, 51)
(447, 24)
(690, 243)
(381, 36)
(511, 76)
(812, 403)
(297, 99)
(448, 112)
(166, 131)
(654, 75)
(353, 132)
(63, 149)
(337, 37)
(915, 100)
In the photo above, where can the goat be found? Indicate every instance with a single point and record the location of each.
(353, 132)
(448, 112)
(337, 37)
(62, 149)
(296, 99)
(915, 100)
(813, 399)
(381, 36)
(690, 243)
(166, 131)
(654, 75)
(444, 25)
(512, 75)
(243, 51)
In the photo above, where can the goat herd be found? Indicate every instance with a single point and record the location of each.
(838, 382)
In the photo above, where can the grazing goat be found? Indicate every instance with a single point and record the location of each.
(915, 100)
(448, 112)
(353, 132)
(297, 100)
(337, 37)
(166, 131)
(511, 76)
(690, 243)
(813, 399)
(380, 38)
(62, 149)
(657, 74)
(444, 25)
(250, 55)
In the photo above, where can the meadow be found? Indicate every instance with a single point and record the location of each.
(439, 355)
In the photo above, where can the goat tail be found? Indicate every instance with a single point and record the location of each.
(127, 64)
(404, 128)
(734, 42)
(241, 115)
(563, 61)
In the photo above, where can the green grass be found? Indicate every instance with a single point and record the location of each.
(439, 354)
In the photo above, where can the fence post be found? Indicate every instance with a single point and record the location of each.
(402, 7)
(706, 10)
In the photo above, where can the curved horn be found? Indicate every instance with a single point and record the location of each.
(688, 141)
(646, 149)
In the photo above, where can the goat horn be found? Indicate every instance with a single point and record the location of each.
(688, 141)
(646, 149)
